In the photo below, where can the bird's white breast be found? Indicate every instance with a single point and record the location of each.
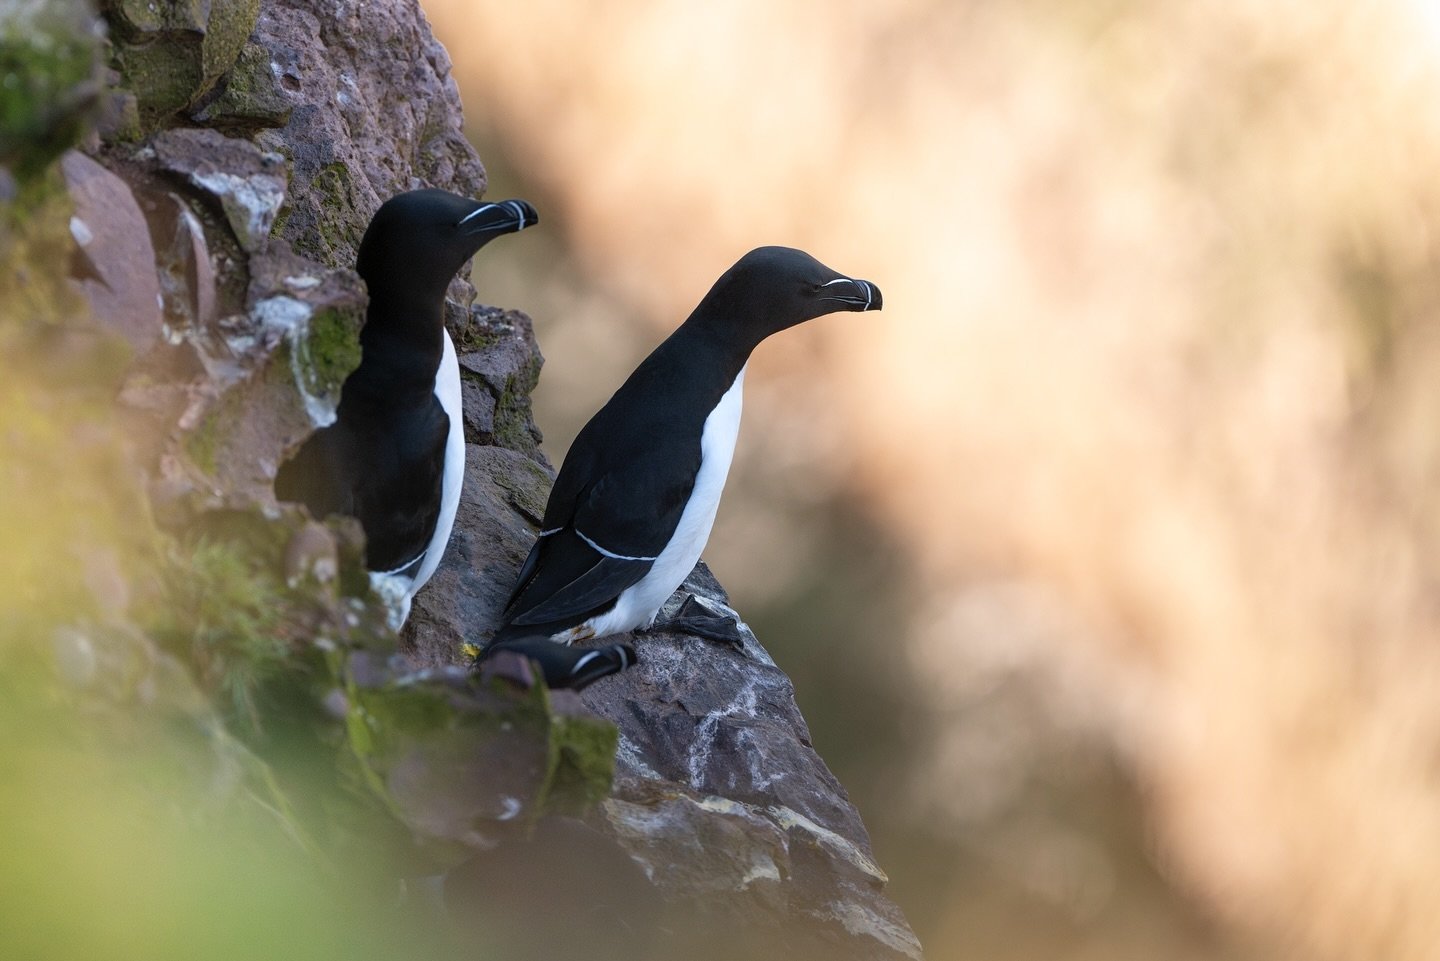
(638, 605)
(447, 391)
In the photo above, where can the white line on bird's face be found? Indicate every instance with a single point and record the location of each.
(476, 212)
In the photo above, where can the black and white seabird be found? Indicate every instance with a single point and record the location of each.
(635, 499)
(395, 456)
(568, 667)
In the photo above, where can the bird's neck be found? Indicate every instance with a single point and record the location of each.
(725, 351)
(401, 346)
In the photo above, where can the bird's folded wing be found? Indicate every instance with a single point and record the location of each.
(569, 578)
(620, 524)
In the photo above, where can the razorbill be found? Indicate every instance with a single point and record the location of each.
(636, 496)
(395, 456)
(568, 667)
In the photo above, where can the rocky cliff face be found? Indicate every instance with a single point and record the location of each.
(209, 229)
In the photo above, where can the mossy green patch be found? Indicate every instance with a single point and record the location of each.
(164, 74)
(252, 97)
(331, 350)
(337, 225)
(223, 611)
(526, 486)
(477, 741)
(228, 27)
(203, 444)
(49, 85)
(477, 337)
(583, 762)
(170, 52)
(514, 423)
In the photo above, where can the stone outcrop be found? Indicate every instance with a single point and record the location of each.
(211, 228)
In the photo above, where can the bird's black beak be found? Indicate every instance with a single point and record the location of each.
(501, 217)
(852, 294)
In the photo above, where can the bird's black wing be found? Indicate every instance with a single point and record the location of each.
(387, 474)
(399, 499)
(570, 580)
(618, 526)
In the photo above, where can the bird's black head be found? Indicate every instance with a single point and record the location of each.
(418, 240)
(772, 288)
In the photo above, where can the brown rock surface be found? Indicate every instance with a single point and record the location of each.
(109, 230)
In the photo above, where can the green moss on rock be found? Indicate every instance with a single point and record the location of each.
(331, 350)
(337, 226)
(203, 443)
(445, 754)
(251, 95)
(224, 610)
(171, 52)
(526, 485)
(514, 422)
(582, 762)
(49, 85)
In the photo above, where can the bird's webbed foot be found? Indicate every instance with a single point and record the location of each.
(696, 619)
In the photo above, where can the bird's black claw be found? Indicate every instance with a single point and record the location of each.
(696, 619)
(567, 667)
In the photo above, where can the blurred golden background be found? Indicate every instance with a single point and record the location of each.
(1104, 559)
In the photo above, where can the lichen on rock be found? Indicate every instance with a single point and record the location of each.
(173, 51)
(248, 183)
(252, 94)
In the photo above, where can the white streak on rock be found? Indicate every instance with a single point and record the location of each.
(628, 757)
(80, 232)
(250, 203)
(859, 921)
(292, 318)
(793, 820)
(700, 748)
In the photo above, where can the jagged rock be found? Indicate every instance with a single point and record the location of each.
(275, 371)
(499, 367)
(173, 51)
(118, 276)
(374, 112)
(253, 94)
(718, 789)
(248, 182)
(187, 275)
(504, 495)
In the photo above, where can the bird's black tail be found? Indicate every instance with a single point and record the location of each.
(568, 667)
